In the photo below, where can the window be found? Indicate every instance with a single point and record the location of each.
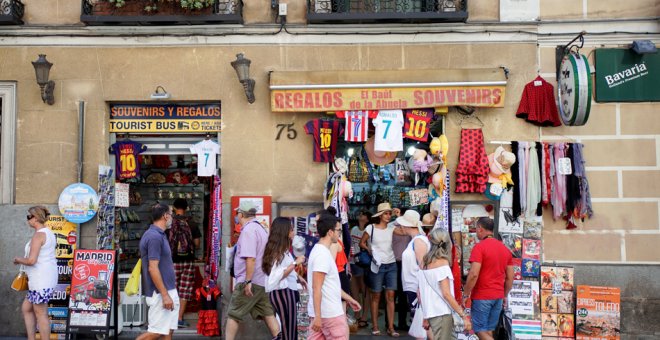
(8, 110)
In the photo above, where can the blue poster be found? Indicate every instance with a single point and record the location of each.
(78, 203)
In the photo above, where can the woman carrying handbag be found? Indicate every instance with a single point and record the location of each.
(442, 313)
(41, 267)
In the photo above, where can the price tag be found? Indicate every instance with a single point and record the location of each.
(538, 83)
(564, 166)
(496, 189)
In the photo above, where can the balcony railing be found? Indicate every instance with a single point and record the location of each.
(384, 11)
(11, 12)
(158, 12)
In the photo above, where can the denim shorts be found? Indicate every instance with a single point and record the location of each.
(386, 277)
(356, 270)
(485, 314)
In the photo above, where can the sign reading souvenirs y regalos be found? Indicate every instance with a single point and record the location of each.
(625, 76)
(322, 100)
(78, 203)
(165, 118)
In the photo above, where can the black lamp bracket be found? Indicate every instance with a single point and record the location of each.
(562, 51)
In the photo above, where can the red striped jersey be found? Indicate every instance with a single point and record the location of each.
(417, 124)
(357, 124)
(325, 133)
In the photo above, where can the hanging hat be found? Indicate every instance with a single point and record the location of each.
(383, 207)
(428, 220)
(409, 219)
(378, 157)
(440, 146)
(340, 165)
(500, 163)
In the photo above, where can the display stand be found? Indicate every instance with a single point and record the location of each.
(93, 294)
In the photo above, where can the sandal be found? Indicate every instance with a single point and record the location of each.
(362, 323)
(375, 332)
(393, 333)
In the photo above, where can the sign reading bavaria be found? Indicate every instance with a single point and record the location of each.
(625, 76)
(165, 118)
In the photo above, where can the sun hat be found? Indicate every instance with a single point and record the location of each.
(409, 219)
(428, 220)
(500, 163)
(383, 207)
(378, 157)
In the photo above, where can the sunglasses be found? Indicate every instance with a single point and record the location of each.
(29, 217)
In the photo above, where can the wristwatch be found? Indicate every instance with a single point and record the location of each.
(248, 282)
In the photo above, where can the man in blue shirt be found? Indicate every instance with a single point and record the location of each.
(159, 280)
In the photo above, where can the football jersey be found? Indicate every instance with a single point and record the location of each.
(417, 124)
(325, 133)
(206, 151)
(126, 161)
(357, 124)
(389, 126)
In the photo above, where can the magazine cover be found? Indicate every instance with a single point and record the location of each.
(531, 268)
(566, 325)
(531, 249)
(517, 269)
(513, 242)
(566, 276)
(548, 276)
(598, 313)
(533, 229)
(565, 302)
(548, 301)
(523, 300)
(508, 223)
(550, 327)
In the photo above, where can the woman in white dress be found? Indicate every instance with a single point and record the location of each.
(41, 268)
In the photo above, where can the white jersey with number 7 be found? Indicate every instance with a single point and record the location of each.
(206, 152)
(389, 127)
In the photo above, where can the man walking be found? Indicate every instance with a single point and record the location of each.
(489, 281)
(327, 316)
(184, 239)
(159, 278)
(249, 296)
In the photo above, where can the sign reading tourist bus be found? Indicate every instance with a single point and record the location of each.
(165, 118)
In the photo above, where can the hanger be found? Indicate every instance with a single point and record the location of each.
(208, 136)
(468, 112)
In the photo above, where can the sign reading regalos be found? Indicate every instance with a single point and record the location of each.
(165, 118)
(346, 99)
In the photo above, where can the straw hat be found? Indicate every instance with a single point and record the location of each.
(378, 157)
(428, 220)
(382, 208)
(409, 219)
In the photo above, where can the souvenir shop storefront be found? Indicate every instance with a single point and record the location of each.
(384, 138)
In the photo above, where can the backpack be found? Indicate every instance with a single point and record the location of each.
(180, 237)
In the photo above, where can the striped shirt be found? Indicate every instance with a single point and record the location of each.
(357, 124)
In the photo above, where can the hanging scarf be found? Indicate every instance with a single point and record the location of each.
(216, 223)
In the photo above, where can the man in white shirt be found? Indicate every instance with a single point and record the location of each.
(328, 320)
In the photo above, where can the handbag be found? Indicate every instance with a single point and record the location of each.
(358, 170)
(20, 282)
(363, 257)
(417, 330)
(459, 324)
(133, 283)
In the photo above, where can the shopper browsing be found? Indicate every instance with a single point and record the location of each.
(41, 268)
(359, 274)
(327, 317)
(249, 296)
(489, 281)
(159, 277)
(436, 288)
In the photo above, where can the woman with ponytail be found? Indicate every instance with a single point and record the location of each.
(436, 288)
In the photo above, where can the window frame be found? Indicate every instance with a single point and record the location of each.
(8, 141)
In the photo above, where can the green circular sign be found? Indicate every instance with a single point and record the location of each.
(574, 89)
(582, 312)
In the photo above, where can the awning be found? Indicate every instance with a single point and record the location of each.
(321, 91)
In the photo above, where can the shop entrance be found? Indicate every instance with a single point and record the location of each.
(164, 168)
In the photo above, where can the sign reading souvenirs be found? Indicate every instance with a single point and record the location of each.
(92, 290)
(351, 99)
(625, 76)
(165, 118)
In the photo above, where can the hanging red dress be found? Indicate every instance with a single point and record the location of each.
(472, 170)
(538, 105)
(207, 323)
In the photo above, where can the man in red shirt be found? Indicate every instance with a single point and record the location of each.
(489, 281)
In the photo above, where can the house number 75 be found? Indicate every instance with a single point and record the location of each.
(291, 133)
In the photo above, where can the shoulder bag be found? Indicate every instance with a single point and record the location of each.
(364, 258)
(459, 324)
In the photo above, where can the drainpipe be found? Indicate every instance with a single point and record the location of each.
(81, 137)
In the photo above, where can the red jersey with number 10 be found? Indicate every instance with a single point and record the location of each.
(126, 153)
(357, 124)
(325, 133)
(417, 124)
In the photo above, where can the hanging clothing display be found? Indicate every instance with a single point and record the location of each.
(472, 169)
(537, 104)
(515, 177)
(523, 151)
(533, 194)
(214, 241)
(418, 122)
(559, 202)
(357, 124)
(325, 133)
(579, 170)
(207, 152)
(389, 128)
(126, 162)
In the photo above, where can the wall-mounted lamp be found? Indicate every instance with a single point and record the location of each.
(643, 47)
(160, 93)
(42, 69)
(242, 67)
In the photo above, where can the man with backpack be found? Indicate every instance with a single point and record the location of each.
(184, 238)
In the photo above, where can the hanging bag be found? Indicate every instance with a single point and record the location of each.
(364, 258)
(417, 330)
(133, 283)
(358, 170)
(20, 282)
(459, 324)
